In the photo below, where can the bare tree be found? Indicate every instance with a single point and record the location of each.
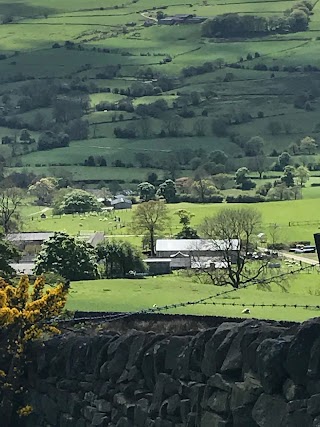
(149, 218)
(274, 232)
(10, 202)
(234, 232)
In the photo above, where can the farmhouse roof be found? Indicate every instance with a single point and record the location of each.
(120, 200)
(29, 237)
(179, 255)
(180, 245)
(182, 15)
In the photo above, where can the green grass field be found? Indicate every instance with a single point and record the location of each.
(134, 295)
(94, 27)
(282, 213)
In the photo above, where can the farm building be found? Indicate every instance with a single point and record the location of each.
(28, 242)
(158, 266)
(121, 202)
(186, 253)
(181, 18)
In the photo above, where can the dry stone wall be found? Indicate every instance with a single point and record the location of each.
(245, 374)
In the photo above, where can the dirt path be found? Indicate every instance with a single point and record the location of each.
(299, 258)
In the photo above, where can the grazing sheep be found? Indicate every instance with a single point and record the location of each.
(246, 311)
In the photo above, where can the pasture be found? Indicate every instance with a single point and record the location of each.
(114, 34)
(297, 219)
(138, 294)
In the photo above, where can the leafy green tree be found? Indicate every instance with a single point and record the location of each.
(284, 159)
(44, 190)
(259, 164)
(187, 231)
(218, 157)
(147, 191)
(254, 146)
(221, 180)
(119, 258)
(308, 144)
(78, 201)
(302, 174)
(150, 218)
(167, 190)
(70, 258)
(203, 188)
(288, 176)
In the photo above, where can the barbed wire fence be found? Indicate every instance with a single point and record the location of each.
(111, 317)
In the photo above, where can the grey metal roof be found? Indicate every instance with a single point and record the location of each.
(179, 245)
(28, 237)
(120, 200)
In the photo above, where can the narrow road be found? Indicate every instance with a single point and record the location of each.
(299, 258)
(146, 16)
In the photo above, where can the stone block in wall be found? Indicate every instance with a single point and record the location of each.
(75, 404)
(105, 389)
(196, 396)
(197, 376)
(185, 408)
(270, 410)
(173, 404)
(61, 398)
(233, 360)
(171, 387)
(192, 420)
(90, 397)
(314, 362)
(299, 353)
(68, 385)
(246, 392)
(174, 347)
(271, 355)
(137, 347)
(134, 374)
(67, 420)
(85, 386)
(102, 355)
(147, 369)
(81, 423)
(219, 382)
(296, 405)
(124, 422)
(316, 422)
(213, 358)
(299, 418)
(158, 394)
(89, 412)
(253, 338)
(209, 419)
(292, 391)
(197, 345)
(141, 412)
(242, 417)
(49, 409)
(159, 422)
(313, 404)
(102, 405)
(219, 401)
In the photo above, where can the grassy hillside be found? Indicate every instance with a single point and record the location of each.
(111, 34)
(138, 294)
